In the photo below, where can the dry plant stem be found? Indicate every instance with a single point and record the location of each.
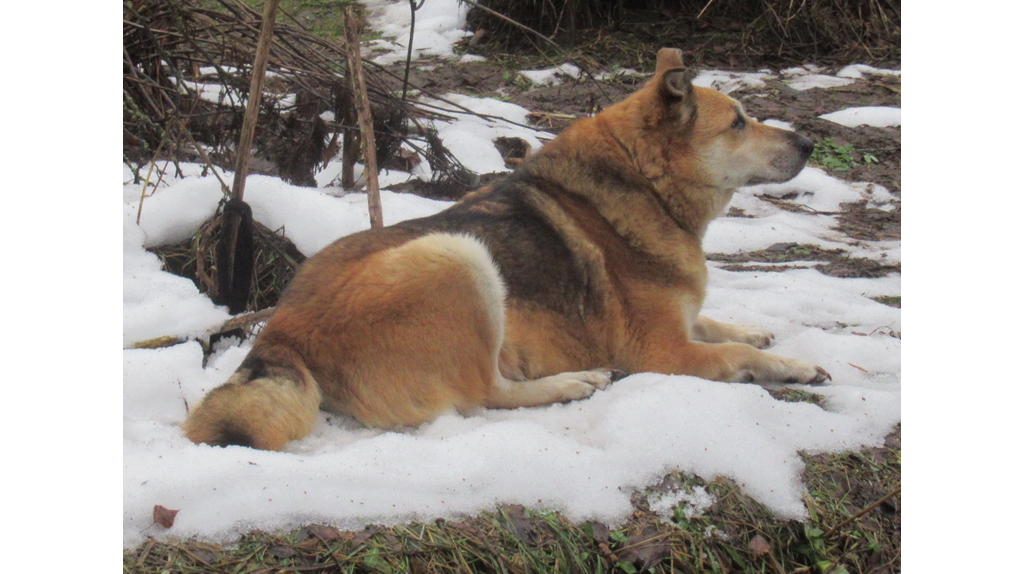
(245, 320)
(704, 9)
(145, 183)
(413, 7)
(248, 131)
(242, 321)
(252, 107)
(864, 511)
(355, 66)
(350, 138)
(171, 113)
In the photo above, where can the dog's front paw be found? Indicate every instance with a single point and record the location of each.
(807, 374)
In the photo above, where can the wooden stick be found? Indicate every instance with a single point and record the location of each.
(234, 252)
(242, 321)
(245, 320)
(252, 106)
(864, 511)
(346, 115)
(355, 68)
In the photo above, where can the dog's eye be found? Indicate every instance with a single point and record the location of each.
(738, 123)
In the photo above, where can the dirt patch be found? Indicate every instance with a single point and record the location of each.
(869, 224)
(834, 262)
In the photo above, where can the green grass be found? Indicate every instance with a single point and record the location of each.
(854, 526)
(890, 300)
(791, 395)
(324, 18)
(831, 156)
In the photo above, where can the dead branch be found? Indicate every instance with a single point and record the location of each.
(358, 84)
(252, 107)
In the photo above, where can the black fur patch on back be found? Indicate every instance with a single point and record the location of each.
(257, 367)
(260, 368)
(533, 258)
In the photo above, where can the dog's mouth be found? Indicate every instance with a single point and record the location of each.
(787, 165)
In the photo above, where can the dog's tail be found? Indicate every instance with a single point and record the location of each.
(269, 401)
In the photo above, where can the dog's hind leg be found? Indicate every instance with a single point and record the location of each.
(561, 388)
(467, 335)
(711, 331)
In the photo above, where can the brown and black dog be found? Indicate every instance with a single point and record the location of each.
(585, 261)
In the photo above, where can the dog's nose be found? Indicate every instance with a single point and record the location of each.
(805, 145)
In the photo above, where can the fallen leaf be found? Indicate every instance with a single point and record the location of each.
(759, 546)
(164, 516)
(323, 532)
(282, 551)
(207, 557)
(520, 524)
(647, 549)
(601, 533)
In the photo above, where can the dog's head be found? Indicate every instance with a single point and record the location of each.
(708, 137)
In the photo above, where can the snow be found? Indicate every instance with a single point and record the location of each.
(808, 77)
(470, 137)
(583, 458)
(694, 503)
(877, 116)
(799, 78)
(728, 82)
(551, 76)
(857, 71)
(439, 25)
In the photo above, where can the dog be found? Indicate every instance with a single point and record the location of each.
(583, 264)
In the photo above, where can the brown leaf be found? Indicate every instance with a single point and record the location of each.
(282, 551)
(366, 533)
(164, 516)
(519, 523)
(206, 557)
(647, 549)
(601, 532)
(759, 546)
(325, 533)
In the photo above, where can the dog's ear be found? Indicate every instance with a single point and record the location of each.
(676, 88)
(675, 84)
(669, 58)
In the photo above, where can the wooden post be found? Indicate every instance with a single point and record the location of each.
(252, 107)
(346, 114)
(362, 101)
(235, 251)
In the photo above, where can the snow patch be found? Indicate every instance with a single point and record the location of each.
(876, 116)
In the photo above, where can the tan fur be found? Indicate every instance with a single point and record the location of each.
(529, 292)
